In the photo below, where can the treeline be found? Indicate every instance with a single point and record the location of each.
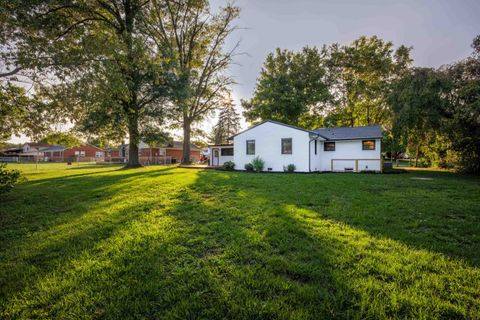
(113, 68)
(431, 114)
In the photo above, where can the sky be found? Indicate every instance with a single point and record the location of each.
(440, 31)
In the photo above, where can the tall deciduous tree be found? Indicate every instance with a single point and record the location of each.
(193, 38)
(418, 104)
(363, 72)
(66, 139)
(105, 75)
(291, 84)
(228, 123)
(20, 113)
(463, 126)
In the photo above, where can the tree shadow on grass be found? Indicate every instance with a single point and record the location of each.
(220, 246)
(54, 220)
(189, 258)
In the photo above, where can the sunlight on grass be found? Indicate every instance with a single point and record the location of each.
(165, 242)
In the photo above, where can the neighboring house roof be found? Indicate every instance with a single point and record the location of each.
(85, 145)
(54, 148)
(38, 145)
(179, 145)
(350, 133)
(11, 151)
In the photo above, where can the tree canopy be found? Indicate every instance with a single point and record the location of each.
(114, 68)
(290, 85)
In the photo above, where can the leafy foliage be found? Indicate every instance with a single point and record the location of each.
(258, 164)
(290, 85)
(20, 113)
(463, 114)
(106, 77)
(249, 167)
(338, 85)
(417, 102)
(8, 178)
(67, 140)
(289, 168)
(362, 73)
(190, 35)
(229, 165)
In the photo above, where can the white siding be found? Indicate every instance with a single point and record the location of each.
(267, 138)
(350, 150)
(221, 159)
(315, 159)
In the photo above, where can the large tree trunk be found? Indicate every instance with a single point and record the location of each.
(133, 161)
(186, 141)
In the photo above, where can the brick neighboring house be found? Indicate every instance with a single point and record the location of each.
(172, 151)
(175, 150)
(50, 152)
(84, 151)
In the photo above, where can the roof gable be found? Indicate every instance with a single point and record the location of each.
(274, 122)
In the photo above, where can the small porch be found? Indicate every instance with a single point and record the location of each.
(219, 154)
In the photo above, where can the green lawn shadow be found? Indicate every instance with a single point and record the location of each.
(228, 245)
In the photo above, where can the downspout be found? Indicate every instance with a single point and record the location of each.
(310, 153)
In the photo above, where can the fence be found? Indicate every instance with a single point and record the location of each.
(33, 159)
(8, 159)
(160, 160)
(146, 161)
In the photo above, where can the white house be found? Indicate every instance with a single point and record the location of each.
(327, 149)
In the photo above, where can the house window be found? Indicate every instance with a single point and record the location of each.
(98, 154)
(315, 146)
(250, 146)
(287, 146)
(368, 144)
(226, 151)
(77, 153)
(329, 146)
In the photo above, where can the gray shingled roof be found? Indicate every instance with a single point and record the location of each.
(179, 145)
(349, 133)
(53, 148)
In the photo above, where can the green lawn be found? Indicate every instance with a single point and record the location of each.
(89, 242)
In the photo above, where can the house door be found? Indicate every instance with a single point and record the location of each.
(216, 157)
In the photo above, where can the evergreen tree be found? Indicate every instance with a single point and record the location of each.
(228, 123)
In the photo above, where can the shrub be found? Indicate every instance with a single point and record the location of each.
(258, 164)
(249, 167)
(229, 165)
(8, 178)
(289, 168)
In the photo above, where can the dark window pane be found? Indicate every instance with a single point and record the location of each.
(329, 146)
(368, 144)
(315, 146)
(250, 146)
(287, 146)
(227, 151)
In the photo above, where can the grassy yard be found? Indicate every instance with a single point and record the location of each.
(89, 242)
